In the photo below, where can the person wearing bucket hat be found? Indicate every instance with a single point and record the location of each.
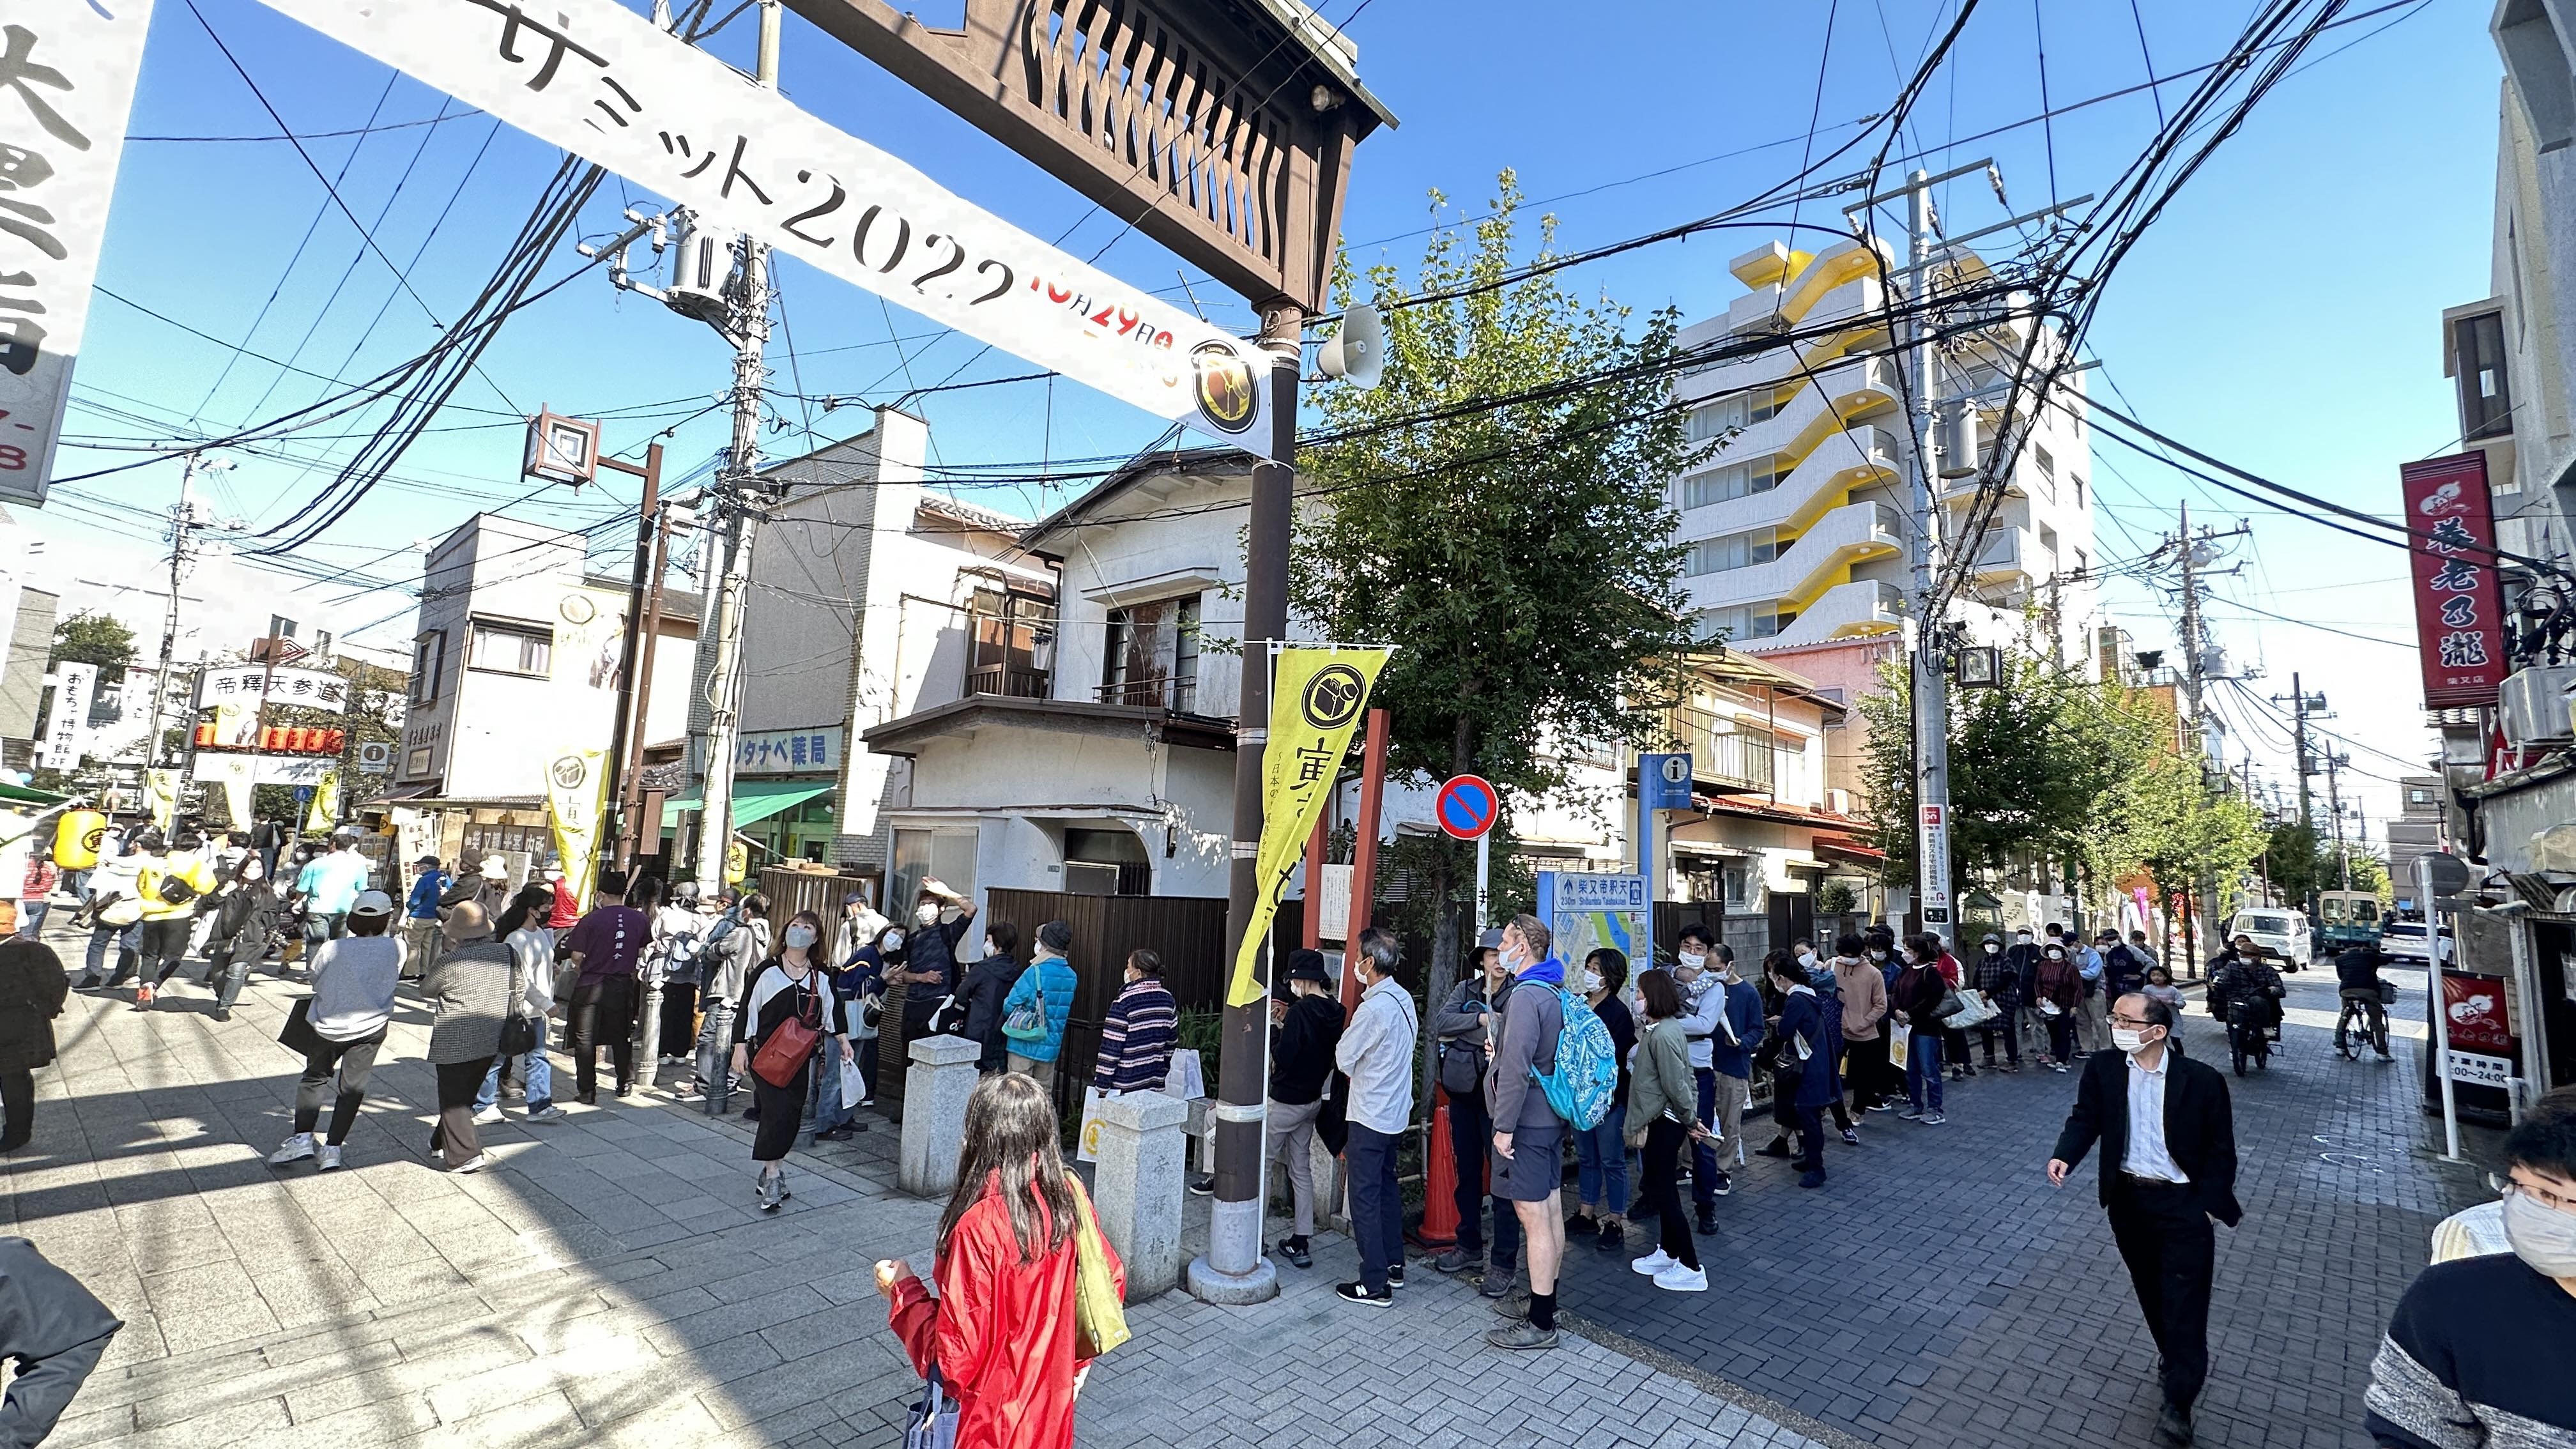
(354, 979)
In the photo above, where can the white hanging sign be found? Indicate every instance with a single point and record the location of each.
(600, 81)
(67, 727)
(66, 85)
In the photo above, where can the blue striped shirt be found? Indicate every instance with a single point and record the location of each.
(1137, 1039)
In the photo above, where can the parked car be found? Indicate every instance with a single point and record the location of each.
(2282, 934)
(2404, 941)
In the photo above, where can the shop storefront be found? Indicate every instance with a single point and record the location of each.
(786, 795)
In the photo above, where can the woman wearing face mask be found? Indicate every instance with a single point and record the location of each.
(930, 962)
(862, 984)
(1666, 1118)
(1600, 1153)
(1916, 1002)
(1803, 1076)
(245, 918)
(2001, 983)
(2057, 983)
(2477, 1352)
(791, 988)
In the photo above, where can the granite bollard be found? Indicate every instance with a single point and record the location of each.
(935, 1089)
(1137, 1188)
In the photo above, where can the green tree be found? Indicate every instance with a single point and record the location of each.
(1498, 509)
(2189, 836)
(90, 637)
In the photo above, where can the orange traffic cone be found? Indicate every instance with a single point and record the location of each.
(1439, 1180)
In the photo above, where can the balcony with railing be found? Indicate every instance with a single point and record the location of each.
(1175, 694)
(1844, 611)
(1724, 760)
(1011, 681)
(1843, 459)
(1841, 537)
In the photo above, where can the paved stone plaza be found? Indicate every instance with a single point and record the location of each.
(610, 1281)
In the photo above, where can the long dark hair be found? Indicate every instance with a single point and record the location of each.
(532, 900)
(1011, 1130)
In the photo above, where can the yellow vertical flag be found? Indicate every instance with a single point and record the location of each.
(161, 790)
(1316, 699)
(324, 812)
(576, 795)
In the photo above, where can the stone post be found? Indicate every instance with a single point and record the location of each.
(935, 1090)
(1144, 1148)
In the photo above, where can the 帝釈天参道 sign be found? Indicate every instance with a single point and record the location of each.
(602, 82)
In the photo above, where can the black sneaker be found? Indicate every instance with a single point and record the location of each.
(1359, 1293)
(1613, 1237)
(1395, 1276)
(1203, 1185)
(1295, 1251)
(1851, 1137)
(1707, 1224)
(1779, 1148)
(1721, 1184)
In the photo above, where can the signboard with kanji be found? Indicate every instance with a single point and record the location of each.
(788, 752)
(313, 688)
(2459, 604)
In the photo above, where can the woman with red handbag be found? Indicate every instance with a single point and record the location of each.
(791, 1014)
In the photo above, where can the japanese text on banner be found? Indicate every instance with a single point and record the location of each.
(1316, 699)
(576, 795)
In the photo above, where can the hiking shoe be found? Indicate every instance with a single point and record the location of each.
(1515, 1306)
(293, 1149)
(488, 1115)
(1681, 1279)
(1653, 1263)
(1934, 1119)
(330, 1158)
(1456, 1260)
(1359, 1293)
(1720, 1184)
(1851, 1137)
(1295, 1251)
(547, 1113)
(1522, 1335)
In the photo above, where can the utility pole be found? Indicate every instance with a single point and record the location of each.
(628, 728)
(735, 493)
(1931, 682)
(184, 523)
(2334, 814)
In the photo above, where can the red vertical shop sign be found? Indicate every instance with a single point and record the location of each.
(2459, 606)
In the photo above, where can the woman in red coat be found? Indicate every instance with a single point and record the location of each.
(1001, 1330)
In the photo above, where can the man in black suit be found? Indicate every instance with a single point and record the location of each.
(2168, 1169)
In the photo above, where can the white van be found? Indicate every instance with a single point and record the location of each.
(2283, 934)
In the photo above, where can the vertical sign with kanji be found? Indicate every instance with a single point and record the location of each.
(2459, 605)
(66, 84)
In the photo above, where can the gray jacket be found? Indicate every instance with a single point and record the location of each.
(470, 991)
(1532, 1021)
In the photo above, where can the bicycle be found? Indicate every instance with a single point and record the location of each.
(2249, 1033)
(2371, 1006)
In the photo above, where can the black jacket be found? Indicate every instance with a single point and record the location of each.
(2358, 968)
(33, 987)
(987, 982)
(2200, 1130)
(1301, 1049)
(2124, 970)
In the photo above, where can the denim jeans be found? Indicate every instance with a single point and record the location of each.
(534, 1069)
(825, 1103)
(95, 965)
(1704, 1164)
(1601, 1164)
(1923, 1072)
(31, 916)
(1377, 1204)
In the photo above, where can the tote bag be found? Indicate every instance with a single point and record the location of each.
(1099, 1314)
(933, 1424)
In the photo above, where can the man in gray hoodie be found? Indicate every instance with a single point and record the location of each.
(1529, 1138)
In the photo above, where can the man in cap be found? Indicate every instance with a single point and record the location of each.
(420, 915)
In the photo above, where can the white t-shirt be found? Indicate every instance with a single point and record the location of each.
(535, 948)
(353, 986)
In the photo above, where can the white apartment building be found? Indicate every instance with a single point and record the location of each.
(1797, 508)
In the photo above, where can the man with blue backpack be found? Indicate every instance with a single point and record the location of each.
(1553, 1071)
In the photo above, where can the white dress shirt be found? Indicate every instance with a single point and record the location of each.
(2146, 1154)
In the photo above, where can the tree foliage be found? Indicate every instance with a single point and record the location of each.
(1498, 509)
(90, 637)
(2301, 862)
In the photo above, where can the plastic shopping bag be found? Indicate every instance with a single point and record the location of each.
(854, 1087)
(1087, 1137)
(1900, 1040)
(1185, 1078)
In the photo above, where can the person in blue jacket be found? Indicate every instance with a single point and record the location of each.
(1809, 1042)
(1049, 980)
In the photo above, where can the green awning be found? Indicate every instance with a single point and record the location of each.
(752, 800)
(21, 795)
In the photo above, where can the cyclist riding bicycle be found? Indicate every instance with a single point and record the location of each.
(2357, 973)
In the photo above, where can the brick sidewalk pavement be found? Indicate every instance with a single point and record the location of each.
(609, 1282)
(1937, 1292)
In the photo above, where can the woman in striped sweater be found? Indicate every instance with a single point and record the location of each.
(1142, 1028)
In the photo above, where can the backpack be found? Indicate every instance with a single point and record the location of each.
(680, 955)
(1587, 1066)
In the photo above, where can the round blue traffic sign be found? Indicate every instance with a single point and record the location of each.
(1466, 807)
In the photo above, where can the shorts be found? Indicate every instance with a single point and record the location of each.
(1536, 1166)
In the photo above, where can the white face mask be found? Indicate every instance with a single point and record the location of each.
(1591, 982)
(1875, 954)
(2542, 1236)
(1992, 948)
(894, 941)
(1806, 956)
(1693, 960)
(2021, 938)
(800, 937)
(1906, 954)
(988, 947)
(926, 915)
(2129, 1039)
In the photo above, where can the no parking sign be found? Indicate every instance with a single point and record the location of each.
(1466, 807)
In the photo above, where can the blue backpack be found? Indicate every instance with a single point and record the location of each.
(1587, 1066)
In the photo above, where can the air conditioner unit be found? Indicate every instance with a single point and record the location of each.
(701, 272)
(1090, 878)
(2532, 706)
(1838, 801)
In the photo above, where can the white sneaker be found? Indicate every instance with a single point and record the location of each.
(476, 1163)
(1678, 1279)
(488, 1115)
(293, 1149)
(330, 1158)
(550, 1113)
(1654, 1263)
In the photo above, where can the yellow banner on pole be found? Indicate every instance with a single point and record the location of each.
(1316, 699)
(324, 812)
(576, 795)
(161, 790)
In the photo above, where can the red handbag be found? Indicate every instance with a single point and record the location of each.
(782, 1054)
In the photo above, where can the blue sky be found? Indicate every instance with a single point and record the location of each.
(2283, 314)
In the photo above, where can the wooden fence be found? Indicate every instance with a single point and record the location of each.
(1188, 932)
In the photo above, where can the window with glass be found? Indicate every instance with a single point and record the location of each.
(1734, 551)
(512, 649)
(1714, 418)
(428, 660)
(1735, 480)
(1745, 621)
(2477, 363)
(1152, 656)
